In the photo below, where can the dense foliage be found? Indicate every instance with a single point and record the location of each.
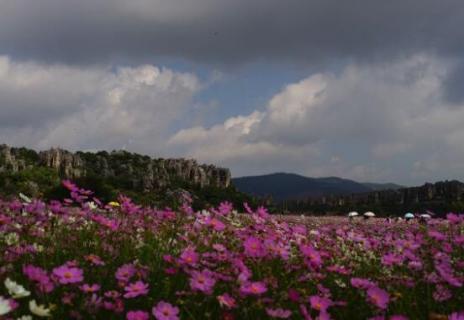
(81, 259)
(45, 183)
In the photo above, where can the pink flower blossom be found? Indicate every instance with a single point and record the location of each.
(253, 288)
(90, 288)
(66, 274)
(227, 301)
(136, 289)
(319, 303)
(202, 281)
(278, 313)
(125, 272)
(456, 316)
(137, 315)
(378, 297)
(312, 254)
(94, 260)
(361, 283)
(254, 247)
(39, 275)
(165, 311)
(216, 224)
(189, 256)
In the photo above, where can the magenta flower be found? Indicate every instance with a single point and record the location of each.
(40, 276)
(137, 315)
(314, 256)
(136, 289)
(94, 259)
(217, 224)
(165, 311)
(90, 288)
(202, 281)
(320, 303)
(189, 256)
(254, 288)
(254, 247)
(125, 272)
(378, 297)
(66, 274)
(227, 301)
(293, 295)
(225, 208)
(278, 313)
(361, 283)
(456, 316)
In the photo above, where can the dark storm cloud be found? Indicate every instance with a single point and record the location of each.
(454, 85)
(223, 32)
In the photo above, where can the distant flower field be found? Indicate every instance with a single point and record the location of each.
(81, 259)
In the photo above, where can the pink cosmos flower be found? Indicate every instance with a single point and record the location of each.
(453, 218)
(165, 311)
(202, 281)
(361, 283)
(40, 276)
(94, 259)
(278, 313)
(441, 293)
(293, 295)
(125, 272)
(69, 185)
(66, 274)
(225, 208)
(189, 256)
(391, 259)
(112, 294)
(90, 288)
(313, 255)
(378, 297)
(136, 289)
(319, 303)
(227, 301)
(137, 315)
(217, 224)
(254, 248)
(254, 288)
(456, 316)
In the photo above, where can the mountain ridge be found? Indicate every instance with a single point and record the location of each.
(285, 186)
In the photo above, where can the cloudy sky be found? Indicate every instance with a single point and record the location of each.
(362, 89)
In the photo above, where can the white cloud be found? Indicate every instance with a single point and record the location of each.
(91, 108)
(380, 122)
(367, 122)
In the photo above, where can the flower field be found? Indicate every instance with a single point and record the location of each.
(81, 259)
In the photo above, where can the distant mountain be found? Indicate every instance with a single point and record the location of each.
(383, 186)
(283, 186)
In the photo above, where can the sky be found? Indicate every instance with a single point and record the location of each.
(362, 89)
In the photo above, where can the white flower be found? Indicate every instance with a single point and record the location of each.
(25, 198)
(5, 306)
(28, 317)
(92, 205)
(12, 238)
(38, 247)
(15, 290)
(39, 310)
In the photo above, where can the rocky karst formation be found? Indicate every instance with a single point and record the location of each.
(142, 172)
